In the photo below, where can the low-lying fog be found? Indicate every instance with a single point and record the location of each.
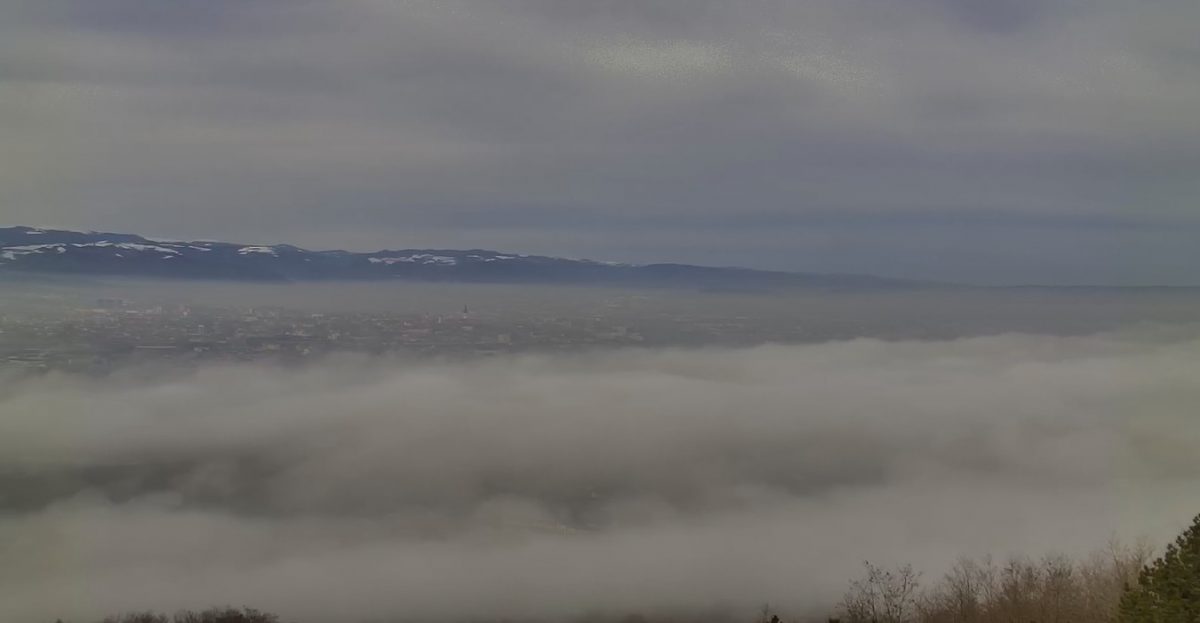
(641, 480)
(813, 315)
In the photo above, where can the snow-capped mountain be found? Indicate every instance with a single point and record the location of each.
(33, 250)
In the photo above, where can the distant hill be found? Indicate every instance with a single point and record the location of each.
(31, 251)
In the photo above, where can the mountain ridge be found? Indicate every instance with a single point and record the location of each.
(40, 250)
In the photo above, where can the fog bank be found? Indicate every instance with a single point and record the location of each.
(549, 487)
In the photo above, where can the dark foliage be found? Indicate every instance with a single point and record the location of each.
(1168, 590)
(212, 615)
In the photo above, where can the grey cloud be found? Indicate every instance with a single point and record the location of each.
(363, 121)
(550, 487)
(1001, 16)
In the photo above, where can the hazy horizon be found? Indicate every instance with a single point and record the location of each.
(916, 282)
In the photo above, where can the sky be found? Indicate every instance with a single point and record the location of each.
(544, 488)
(984, 141)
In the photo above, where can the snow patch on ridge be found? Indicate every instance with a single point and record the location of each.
(416, 258)
(259, 250)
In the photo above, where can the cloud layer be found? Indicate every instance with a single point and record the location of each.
(928, 138)
(547, 487)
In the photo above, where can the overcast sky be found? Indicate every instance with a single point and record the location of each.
(993, 141)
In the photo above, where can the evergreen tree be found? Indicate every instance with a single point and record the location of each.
(1168, 590)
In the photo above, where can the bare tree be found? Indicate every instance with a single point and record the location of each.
(883, 596)
(1054, 589)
